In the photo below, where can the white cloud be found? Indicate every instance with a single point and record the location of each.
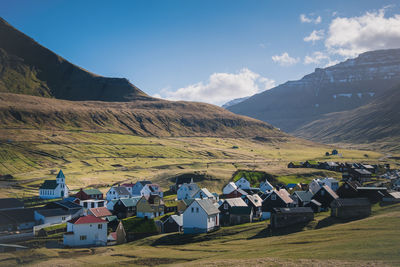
(222, 87)
(314, 36)
(305, 19)
(285, 59)
(316, 58)
(349, 37)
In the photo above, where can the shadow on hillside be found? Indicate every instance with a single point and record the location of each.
(328, 221)
(269, 231)
(181, 239)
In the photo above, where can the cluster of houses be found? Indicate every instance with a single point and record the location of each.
(350, 171)
(95, 220)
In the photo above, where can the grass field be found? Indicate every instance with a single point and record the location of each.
(102, 159)
(373, 241)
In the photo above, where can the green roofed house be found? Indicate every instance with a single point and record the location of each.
(311, 164)
(126, 207)
(295, 164)
(54, 188)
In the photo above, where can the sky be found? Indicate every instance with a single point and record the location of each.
(206, 50)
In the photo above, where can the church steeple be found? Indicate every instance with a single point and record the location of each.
(60, 178)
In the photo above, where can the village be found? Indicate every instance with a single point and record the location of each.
(134, 210)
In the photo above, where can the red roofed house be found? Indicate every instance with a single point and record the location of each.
(101, 212)
(86, 231)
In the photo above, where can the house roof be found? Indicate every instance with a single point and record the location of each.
(9, 203)
(60, 174)
(49, 184)
(346, 202)
(330, 191)
(312, 162)
(191, 186)
(112, 218)
(130, 202)
(332, 164)
(100, 212)
(236, 202)
(296, 163)
(128, 184)
(293, 210)
(304, 196)
(315, 202)
(153, 187)
(255, 200)
(284, 195)
(352, 184)
(92, 191)
(143, 183)
(362, 171)
(207, 205)
(188, 201)
(206, 192)
(372, 188)
(395, 195)
(67, 204)
(54, 212)
(19, 215)
(291, 185)
(178, 219)
(121, 190)
(87, 219)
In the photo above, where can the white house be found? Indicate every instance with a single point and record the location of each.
(204, 194)
(187, 191)
(54, 188)
(129, 187)
(92, 203)
(242, 183)
(137, 188)
(200, 217)
(316, 184)
(266, 187)
(229, 188)
(151, 189)
(86, 231)
(117, 192)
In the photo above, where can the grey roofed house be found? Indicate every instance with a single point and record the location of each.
(205, 192)
(362, 171)
(235, 202)
(303, 196)
(178, 219)
(10, 203)
(208, 206)
(121, 190)
(255, 200)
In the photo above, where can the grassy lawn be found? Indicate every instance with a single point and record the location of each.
(368, 242)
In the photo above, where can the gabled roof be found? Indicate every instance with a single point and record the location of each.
(235, 202)
(67, 204)
(87, 219)
(130, 202)
(112, 218)
(100, 212)
(121, 190)
(293, 210)
(188, 201)
(205, 191)
(255, 200)
(10, 203)
(207, 205)
(92, 191)
(284, 195)
(329, 191)
(178, 219)
(49, 184)
(128, 184)
(332, 164)
(304, 196)
(60, 174)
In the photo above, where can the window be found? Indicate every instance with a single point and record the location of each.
(226, 206)
(322, 192)
(99, 226)
(192, 209)
(82, 237)
(63, 218)
(197, 210)
(273, 197)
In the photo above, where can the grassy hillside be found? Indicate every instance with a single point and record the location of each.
(369, 242)
(377, 122)
(102, 159)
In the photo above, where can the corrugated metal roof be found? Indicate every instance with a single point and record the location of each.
(236, 202)
(207, 205)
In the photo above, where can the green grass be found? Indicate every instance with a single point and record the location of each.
(139, 225)
(372, 241)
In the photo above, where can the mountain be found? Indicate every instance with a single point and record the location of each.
(345, 86)
(41, 90)
(26, 67)
(375, 122)
(235, 101)
(138, 117)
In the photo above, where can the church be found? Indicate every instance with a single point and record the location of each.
(54, 188)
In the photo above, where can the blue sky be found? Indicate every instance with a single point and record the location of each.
(209, 51)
